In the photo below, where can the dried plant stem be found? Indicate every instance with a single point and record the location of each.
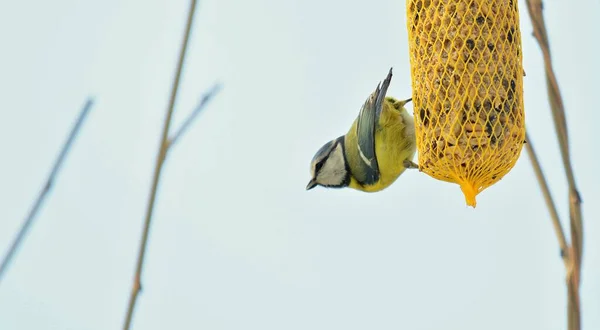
(201, 105)
(163, 149)
(46, 189)
(574, 253)
(560, 234)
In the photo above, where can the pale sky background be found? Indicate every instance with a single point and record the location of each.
(237, 243)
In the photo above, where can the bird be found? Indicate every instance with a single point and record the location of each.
(377, 149)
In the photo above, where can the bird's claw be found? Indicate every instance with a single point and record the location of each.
(409, 164)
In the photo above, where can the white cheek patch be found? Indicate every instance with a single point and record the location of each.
(333, 171)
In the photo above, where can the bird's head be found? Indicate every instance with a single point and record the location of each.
(329, 167)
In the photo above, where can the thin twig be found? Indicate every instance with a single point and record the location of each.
(560, 234)
(201, 105)
(575, 251)
(558, 112)
(46, 189)
(157, 170)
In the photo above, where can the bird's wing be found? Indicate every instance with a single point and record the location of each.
(368, 172)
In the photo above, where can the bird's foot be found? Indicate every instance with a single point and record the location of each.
(409, 164)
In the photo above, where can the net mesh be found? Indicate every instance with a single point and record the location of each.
(467, 80)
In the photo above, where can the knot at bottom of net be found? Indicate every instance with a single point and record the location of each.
(470, 192)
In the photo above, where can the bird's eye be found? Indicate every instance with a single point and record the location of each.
(319, 165)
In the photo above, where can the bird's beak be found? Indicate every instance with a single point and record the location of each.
(408, 100)
(311, 184)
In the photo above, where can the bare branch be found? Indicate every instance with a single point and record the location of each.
(46, 189)
(157, 170)
(201, 105)
(560, 234)
(575, 251)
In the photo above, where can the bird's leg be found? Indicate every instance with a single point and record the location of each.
(409, 164)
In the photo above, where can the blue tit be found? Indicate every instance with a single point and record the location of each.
(377, 149)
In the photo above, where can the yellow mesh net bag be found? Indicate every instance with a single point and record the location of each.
(467, 80)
